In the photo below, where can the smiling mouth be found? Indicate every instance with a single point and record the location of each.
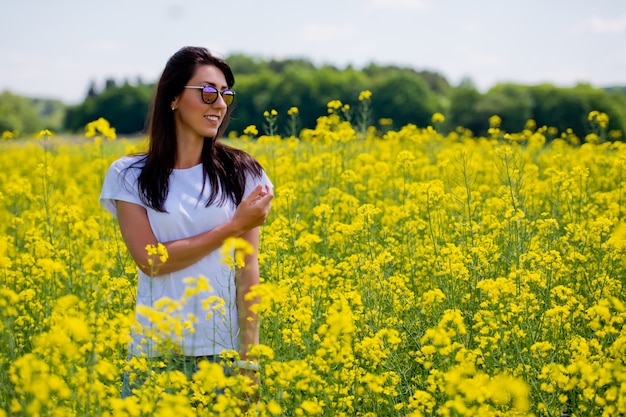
(213, 118)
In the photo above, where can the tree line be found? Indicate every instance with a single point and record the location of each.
(399, 95)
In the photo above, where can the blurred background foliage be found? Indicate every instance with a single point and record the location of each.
(400, 94)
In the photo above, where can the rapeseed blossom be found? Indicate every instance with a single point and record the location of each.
(251, 130)
(43, 134)
(365, 95)
(234, 251)
(438, 118)
(7, 135)
(403, 272)
(159, 250)
(101, 126)
(601, 118)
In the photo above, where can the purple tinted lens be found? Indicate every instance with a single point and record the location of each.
(209, 94)
(228, 96)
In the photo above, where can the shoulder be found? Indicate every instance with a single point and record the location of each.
(125, 169)
(129, 161)
(254, 179)
(120, 182)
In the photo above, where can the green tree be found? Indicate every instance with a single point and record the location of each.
(254, 95)
(562, 108)
(92, 91)
(463, 102)
(245, 65)
(613, 103)
(513, 103)
(293, 83)
(298, 88)
(18, 114)
(403, 96)
(125, 107)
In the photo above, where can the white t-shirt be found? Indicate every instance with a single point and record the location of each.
(210, 329)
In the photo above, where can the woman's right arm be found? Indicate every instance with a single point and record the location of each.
(137, 233)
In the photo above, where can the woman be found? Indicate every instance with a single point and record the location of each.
(190, 193)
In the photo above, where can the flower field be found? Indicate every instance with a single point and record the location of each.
(405, 273)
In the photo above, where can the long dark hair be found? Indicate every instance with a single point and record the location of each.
(224, 166)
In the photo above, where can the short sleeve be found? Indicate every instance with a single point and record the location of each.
(120, 183)
(253, 181)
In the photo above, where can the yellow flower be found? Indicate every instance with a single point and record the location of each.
(365, 95)
(101, 126)
(7, 134)
(213, 303)
(495, 121)
(43, 134)
(156, 250)
(251, 130)
(531, 124)
(312, 407)
(334, 105)
(601, 118)
(234, 251)
(592, 138)
(274, 408)
(167, 305)
(194, 286)
(438, 118)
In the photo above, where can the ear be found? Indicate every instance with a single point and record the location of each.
(174, 104)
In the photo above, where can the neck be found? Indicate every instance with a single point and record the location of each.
(188, 153)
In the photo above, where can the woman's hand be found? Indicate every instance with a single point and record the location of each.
(253, 210)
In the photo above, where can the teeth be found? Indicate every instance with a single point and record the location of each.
(212, 117)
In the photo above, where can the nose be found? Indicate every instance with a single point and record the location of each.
(220, 101)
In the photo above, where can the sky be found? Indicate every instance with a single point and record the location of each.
(56, 49)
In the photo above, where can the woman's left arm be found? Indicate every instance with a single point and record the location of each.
(247, 277)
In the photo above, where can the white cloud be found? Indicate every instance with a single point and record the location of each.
(606, 26)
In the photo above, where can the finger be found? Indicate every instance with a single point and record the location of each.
(268, 192)
(263, 201)
(257, 190)
(263, 198)
(255, 194)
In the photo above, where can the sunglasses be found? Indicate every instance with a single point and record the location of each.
(209, 94)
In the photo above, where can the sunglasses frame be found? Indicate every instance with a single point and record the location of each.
(219, 93)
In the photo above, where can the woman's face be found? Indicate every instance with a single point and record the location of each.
(193, 117)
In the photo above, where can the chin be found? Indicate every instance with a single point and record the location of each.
(209, 133)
